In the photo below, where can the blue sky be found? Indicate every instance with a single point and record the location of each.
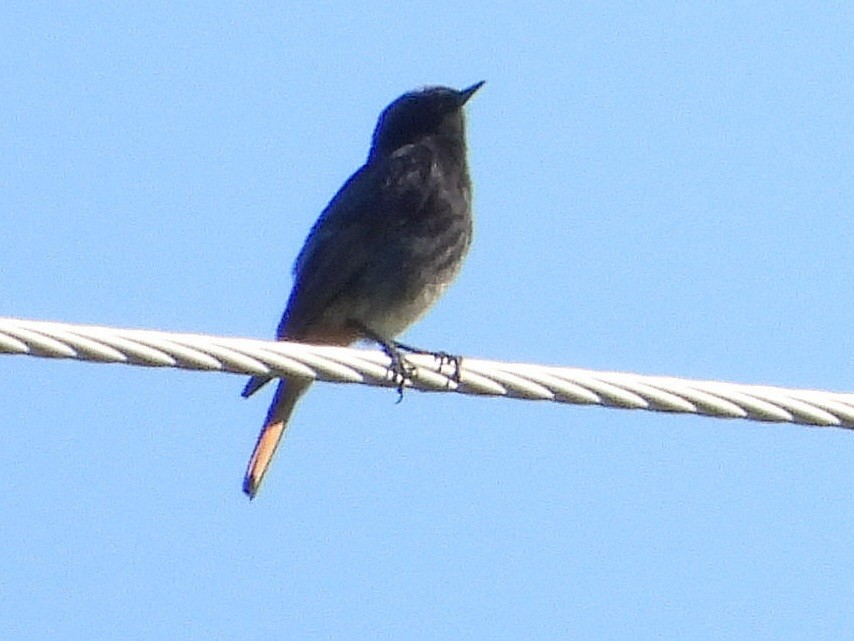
(660, 188)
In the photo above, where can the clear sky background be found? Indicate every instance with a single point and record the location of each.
(664, 188)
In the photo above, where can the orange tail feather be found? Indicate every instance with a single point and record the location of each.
(287, 395)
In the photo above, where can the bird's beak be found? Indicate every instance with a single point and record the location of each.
(465, 94)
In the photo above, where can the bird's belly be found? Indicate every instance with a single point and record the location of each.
(402, 282)
(391, 319)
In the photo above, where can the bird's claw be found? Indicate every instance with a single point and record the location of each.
(450, 359)
(401, 369)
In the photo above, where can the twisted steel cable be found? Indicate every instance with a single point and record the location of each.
(467, 375)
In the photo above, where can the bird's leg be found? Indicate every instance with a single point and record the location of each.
(444, 358)
(401, 369)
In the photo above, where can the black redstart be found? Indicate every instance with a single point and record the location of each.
(384, 249)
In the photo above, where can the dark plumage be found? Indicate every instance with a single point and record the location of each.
(384, 249)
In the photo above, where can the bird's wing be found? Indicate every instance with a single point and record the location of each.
(352, 232)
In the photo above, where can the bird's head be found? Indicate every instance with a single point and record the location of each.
(432, 111)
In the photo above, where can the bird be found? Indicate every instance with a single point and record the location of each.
(383, 250)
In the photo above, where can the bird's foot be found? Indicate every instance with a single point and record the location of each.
(443, 358)
(401, 369)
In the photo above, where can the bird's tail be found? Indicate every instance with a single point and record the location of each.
(254, 384)
(287, 395)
